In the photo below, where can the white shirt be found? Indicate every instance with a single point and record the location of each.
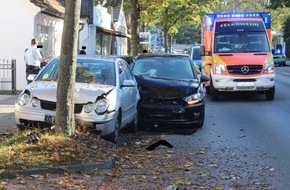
(32, 56)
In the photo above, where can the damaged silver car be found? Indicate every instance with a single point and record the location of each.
(172, 93)
(105, 97)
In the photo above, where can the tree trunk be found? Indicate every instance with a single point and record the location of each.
(65, 121)
(165, 41)
(134, 27)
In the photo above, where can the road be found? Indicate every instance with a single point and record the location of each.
(250, 137)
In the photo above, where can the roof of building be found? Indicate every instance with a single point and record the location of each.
(52, 7)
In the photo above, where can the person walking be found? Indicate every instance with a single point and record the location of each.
(83, 51)
(33, 59)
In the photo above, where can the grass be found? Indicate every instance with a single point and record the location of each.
(17, 152)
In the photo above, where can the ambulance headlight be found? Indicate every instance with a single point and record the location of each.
(269, 68)
(219, 69)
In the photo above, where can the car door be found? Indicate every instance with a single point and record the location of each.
(129, 94)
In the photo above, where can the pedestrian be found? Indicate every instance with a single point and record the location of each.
(83, 51)
(33, 59)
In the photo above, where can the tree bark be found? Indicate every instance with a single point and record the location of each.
(134, 27)
(65, 121)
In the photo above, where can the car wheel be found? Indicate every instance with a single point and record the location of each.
(202, 113)
(284, 64)
(113, 137)
(270, 94)
(21, 127)
(214, 93)
(134, 125)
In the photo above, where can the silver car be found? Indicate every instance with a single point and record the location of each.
(106, 97)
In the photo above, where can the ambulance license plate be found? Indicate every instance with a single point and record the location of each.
(245, 85)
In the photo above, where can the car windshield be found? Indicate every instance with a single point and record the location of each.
(87, 71)
(241, 42)
(160, 67)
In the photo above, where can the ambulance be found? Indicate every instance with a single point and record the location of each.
(236, 53)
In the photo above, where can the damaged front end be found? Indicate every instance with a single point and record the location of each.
(170, 103)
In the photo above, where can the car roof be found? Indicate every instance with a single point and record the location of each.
(164, 55)
(97, 57)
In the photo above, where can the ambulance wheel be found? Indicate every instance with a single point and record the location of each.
(207, 89)
(270, 94)
(214, 93)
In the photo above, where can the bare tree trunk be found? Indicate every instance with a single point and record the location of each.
(65, 121)
(134, 27)
(165, 41)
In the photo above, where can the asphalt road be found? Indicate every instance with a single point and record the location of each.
(245, 136)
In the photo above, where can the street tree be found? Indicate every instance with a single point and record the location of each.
(279, 3)
(286, 28)
(241, 5)
(172, 14)
(64, 121)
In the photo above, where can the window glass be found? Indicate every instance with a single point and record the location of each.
(87, 71)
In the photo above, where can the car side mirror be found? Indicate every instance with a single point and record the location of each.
(203, 52)
(31, 77)
(204, 78)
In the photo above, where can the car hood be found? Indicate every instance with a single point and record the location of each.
(166, 88)
(83, 92)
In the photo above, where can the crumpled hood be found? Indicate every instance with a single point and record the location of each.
(83, 92)
(256, 58)
(165, 88)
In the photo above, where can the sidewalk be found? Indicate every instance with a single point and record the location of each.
(7, 124)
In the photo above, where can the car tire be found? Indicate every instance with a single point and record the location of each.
(21, 127)
(270, 94)
(133, 127)
(214, 92)
(113, 137)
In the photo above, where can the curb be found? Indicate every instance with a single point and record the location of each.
(109, 163)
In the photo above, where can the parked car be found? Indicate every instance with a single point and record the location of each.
(196, 56)
(279, 57)
(186, 51)
(128, 58)
(171, 91)
(106, 96)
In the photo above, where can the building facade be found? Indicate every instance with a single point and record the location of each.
(23, 20)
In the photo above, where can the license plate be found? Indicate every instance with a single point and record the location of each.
(49, 118)
(245, 85)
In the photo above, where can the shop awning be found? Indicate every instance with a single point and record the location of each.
(113, 32)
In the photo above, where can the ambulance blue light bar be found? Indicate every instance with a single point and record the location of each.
(266, 16)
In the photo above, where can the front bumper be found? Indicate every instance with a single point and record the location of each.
(167, 116)
(27, 116)
(257, 83)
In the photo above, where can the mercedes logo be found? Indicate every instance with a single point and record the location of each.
(245, 69)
